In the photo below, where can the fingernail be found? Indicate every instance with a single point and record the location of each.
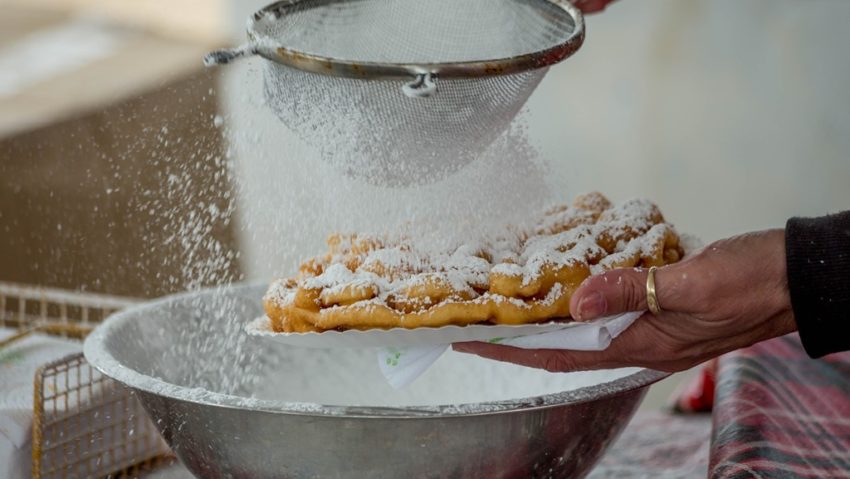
(591, 306)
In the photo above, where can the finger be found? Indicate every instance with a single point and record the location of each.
(612, 292)
(617, 291)
(634, 347)
(552, 360)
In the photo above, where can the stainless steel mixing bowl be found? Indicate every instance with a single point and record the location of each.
(233, 406)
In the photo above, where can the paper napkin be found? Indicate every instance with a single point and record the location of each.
(402, 365)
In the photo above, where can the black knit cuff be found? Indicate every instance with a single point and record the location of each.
(817, 251)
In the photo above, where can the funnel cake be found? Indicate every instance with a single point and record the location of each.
(525, 277)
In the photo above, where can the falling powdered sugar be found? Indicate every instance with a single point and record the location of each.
(292, 198)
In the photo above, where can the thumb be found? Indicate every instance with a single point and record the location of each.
(613, 292)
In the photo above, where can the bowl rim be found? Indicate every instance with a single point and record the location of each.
(101, 359)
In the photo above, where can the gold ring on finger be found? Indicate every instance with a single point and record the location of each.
(651, 297)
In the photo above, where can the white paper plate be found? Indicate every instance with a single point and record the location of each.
(400, 337)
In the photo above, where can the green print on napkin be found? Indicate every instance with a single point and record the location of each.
(393, 360)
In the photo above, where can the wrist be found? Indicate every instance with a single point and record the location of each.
(778, 282)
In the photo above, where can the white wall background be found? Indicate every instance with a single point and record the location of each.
(731, 115)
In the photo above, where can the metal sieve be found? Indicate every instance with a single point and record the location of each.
(405, 91)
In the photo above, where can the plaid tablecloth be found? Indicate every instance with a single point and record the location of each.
(776, 414)
(780, 414)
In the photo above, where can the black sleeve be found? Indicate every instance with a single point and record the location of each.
(817, 251)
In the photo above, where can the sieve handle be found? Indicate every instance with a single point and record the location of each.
(423, 86)
(227, 55)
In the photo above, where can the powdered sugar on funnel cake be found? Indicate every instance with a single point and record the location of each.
(525, 276)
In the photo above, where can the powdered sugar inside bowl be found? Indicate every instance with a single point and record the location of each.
(230, 406)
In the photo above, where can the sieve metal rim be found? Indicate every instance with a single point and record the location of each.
(380, 70)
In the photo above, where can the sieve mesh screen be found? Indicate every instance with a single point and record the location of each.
(402, 92)
(371, 130)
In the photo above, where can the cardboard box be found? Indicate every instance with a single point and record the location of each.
(113, 176)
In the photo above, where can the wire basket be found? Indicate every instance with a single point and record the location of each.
(55, 311)
(84, 424)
